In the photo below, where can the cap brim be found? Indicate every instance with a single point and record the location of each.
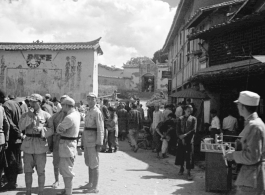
(236, 101)
(33, 100)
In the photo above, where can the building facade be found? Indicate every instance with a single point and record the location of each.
(55, 68)
(190, 56)
(139, 76)
(232, 47)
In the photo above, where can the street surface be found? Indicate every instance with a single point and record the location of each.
(126, 173)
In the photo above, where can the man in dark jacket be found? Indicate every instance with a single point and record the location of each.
(134, 125)
(106, 115)
(13, 153)
(4, 136)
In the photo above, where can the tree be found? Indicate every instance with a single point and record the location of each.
(160, 57)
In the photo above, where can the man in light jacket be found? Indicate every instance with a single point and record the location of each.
(251, 177)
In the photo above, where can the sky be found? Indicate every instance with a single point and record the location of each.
(129, 28)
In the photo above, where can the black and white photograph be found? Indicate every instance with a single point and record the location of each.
(132, 97)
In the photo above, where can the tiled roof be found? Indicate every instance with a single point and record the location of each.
(211, 8)
(52, 46)
(247, 20)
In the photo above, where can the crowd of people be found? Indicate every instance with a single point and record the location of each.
(39, 125)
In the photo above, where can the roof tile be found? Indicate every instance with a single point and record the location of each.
(52, 46)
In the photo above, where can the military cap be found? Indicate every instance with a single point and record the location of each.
(248, 98)
(35, 97)
(92, 95)
(68, 101)
(64, 96)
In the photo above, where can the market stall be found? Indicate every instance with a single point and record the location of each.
(218, 171)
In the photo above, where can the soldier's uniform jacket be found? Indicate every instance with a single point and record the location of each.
(35, 142)
(94, 119)
(252, 155)
(53, 122)
(69, 128)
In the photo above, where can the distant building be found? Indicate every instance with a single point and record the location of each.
(55, 68)
(139, 76)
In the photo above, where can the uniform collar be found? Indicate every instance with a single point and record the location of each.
(252, 116)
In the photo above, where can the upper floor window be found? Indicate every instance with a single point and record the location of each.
(180, 61)
(175, 66)
(188, 51)
(180, 38)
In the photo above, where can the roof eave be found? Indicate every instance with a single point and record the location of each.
(176, 17)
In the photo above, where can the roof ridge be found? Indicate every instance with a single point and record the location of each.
(93, 42)
(206, 8)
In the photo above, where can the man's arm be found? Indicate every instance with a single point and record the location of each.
(6, 127)
(64, 125)
(100, 129)
(252, 153)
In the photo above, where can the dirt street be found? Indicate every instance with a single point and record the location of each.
(126, 173)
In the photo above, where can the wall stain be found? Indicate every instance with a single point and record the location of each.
(79, 70)
(73, 70)
(2, 74)
(67, 71)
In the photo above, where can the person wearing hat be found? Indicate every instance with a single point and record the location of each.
(92, 139)
(251, 178)
(13, 153)
(35, 145)
(54, 140)
(69, 130)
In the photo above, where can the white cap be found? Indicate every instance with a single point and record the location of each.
(248, 98)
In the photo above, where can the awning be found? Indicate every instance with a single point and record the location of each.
(189, 93)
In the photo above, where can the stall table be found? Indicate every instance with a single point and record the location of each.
(218, 175)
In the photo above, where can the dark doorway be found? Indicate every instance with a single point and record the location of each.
(148, 83)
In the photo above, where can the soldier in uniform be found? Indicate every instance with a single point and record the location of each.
(92, 141)
(251, 178)
(53, 122)
(69, 130)
(35, 145)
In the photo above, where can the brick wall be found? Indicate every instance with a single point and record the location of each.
(252, 40)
